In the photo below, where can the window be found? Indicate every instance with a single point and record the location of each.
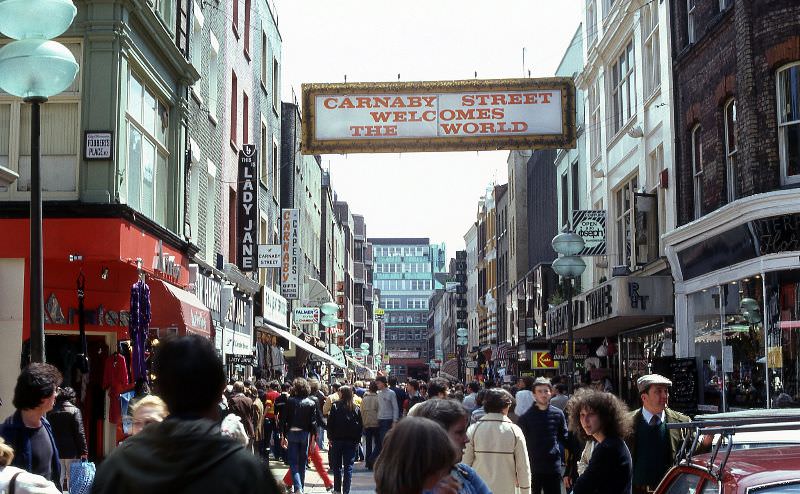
(211, 216)
(276, 90)
(213, 77)
(607, 5)
(246, 28)
(275, 172)
(724, 4)
(623, 88)
(234, 109)
(196, 50)
(591, 23)
(147, 122)
(789, 122)
(564, 199)
(166, 9)
(263, 232)
(263, 173)
(651, 48)
(245, 119)
(697, 170)
(730, 150)
(623, 199)
(576, 191)
(264, 59)
(232, 211)
(690, 20)
(594, 121)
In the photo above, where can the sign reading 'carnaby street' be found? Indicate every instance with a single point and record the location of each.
(438, 116)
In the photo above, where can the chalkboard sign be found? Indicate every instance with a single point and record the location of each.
(683, 394)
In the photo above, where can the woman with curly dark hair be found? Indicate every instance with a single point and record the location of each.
(603, 418)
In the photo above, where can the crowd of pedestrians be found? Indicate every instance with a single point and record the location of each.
(202, 433)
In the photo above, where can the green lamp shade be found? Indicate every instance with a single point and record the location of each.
(329, 308)
(32, 68)
(364, 346)
(35, 19)
(569, 266)
(568, 243)
(329, 321)
(461, 332)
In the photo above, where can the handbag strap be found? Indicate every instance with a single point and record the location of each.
(12, 485)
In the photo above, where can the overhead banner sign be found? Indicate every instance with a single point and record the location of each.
(269, 256)
(591, 227)
(247, 210)
(472, 115)
(306, 315)
(290, 253)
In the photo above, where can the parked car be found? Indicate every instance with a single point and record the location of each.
(762, 438)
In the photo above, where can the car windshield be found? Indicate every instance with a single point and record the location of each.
(685, 483)
(793, 488)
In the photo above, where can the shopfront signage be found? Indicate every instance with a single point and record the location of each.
(591, 227)
(624, 296)
(208, 290)
(543, 359)
(306, 315)
(269, 256)
(54, 314)
(470, 115)
(274, 306)
(98, 145)
(247, 212)
(165, 263)
(290, 253)
(236, 359)
(403, 354)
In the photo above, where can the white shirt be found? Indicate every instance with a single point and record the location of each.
(525, 400)
(647, 415)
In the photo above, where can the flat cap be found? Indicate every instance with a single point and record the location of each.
(542, 381)
(645, 381)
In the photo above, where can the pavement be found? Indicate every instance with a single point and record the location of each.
(363, 481)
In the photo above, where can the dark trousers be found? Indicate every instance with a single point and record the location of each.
(341, 457)
(371, 443)
(383, 428)
(271, 439)
(547, 483)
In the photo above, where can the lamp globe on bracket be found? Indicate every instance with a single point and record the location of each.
(329, 320)
(36, 19)
(36, 68)
(568, 243)
(329, 308)
(569, 266)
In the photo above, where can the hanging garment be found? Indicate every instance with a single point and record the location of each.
(115, 380)
(138, 326)
(83, 351)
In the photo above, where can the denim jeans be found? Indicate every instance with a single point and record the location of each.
(321, 438)
(383, 428)
(270, 431)
(371, 440)
(341, 458)
(298, 457)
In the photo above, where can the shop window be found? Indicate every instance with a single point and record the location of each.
(731, 176)
(697, 170)
(789, 122)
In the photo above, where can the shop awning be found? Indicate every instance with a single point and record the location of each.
(284, 333)
(173, 307)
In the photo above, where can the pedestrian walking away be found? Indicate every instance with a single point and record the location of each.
(602, 418)
(545, 430)
(27, 430)
(388, 412)
(454, 418)
(300, 418)
(344, 433)
(67, 424)
(186, 452)
(369, 417)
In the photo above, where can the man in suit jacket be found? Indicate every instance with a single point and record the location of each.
(654, 447)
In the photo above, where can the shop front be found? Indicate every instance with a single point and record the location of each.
(620, 328)
(269, 351)
(737, 302)
(88, 284)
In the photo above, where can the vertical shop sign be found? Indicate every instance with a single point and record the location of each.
(290, 253)
(247, 212)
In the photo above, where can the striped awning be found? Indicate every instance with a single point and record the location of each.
(450, 367)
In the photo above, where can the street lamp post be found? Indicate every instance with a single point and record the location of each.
(461, 341)
(35, 68)
(569, 266)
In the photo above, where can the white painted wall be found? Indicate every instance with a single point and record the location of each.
(12, 278)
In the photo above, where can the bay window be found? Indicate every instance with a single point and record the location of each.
(789, 122)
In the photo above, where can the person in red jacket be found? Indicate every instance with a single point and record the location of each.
(271, 429)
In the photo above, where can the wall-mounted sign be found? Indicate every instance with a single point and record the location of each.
(591, 227)
(269, 256)
(98, 145)
(274, 306)
(247, 215)
(467, 115)
(290, 253)
(306, 315)
(543, 359)
(236, 359)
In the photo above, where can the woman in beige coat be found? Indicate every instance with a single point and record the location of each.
(369, 417)
(496, 448)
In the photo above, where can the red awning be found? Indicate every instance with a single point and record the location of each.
(174, 308)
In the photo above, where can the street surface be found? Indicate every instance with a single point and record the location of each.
(363, 481)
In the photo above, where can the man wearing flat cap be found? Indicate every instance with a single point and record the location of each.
(653, 447)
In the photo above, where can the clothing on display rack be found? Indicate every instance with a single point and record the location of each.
(115, 380)
(139, 327)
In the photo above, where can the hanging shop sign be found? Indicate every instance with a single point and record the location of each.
(269, 256)
(619, 303)
(543, 359)
(306, 315)
(290, 253)
(273, 306)
(247, 212)
(472, 115)
(591, 227)
(236, 359)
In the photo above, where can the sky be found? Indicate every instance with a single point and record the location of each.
(431, 195)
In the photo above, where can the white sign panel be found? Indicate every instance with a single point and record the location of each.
(590, 225)
(306, 315)
(290, 253)
(98, 145)
(274, 306)
(269, 256)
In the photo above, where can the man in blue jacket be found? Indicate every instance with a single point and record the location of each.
(545, 430)
(27, 430)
